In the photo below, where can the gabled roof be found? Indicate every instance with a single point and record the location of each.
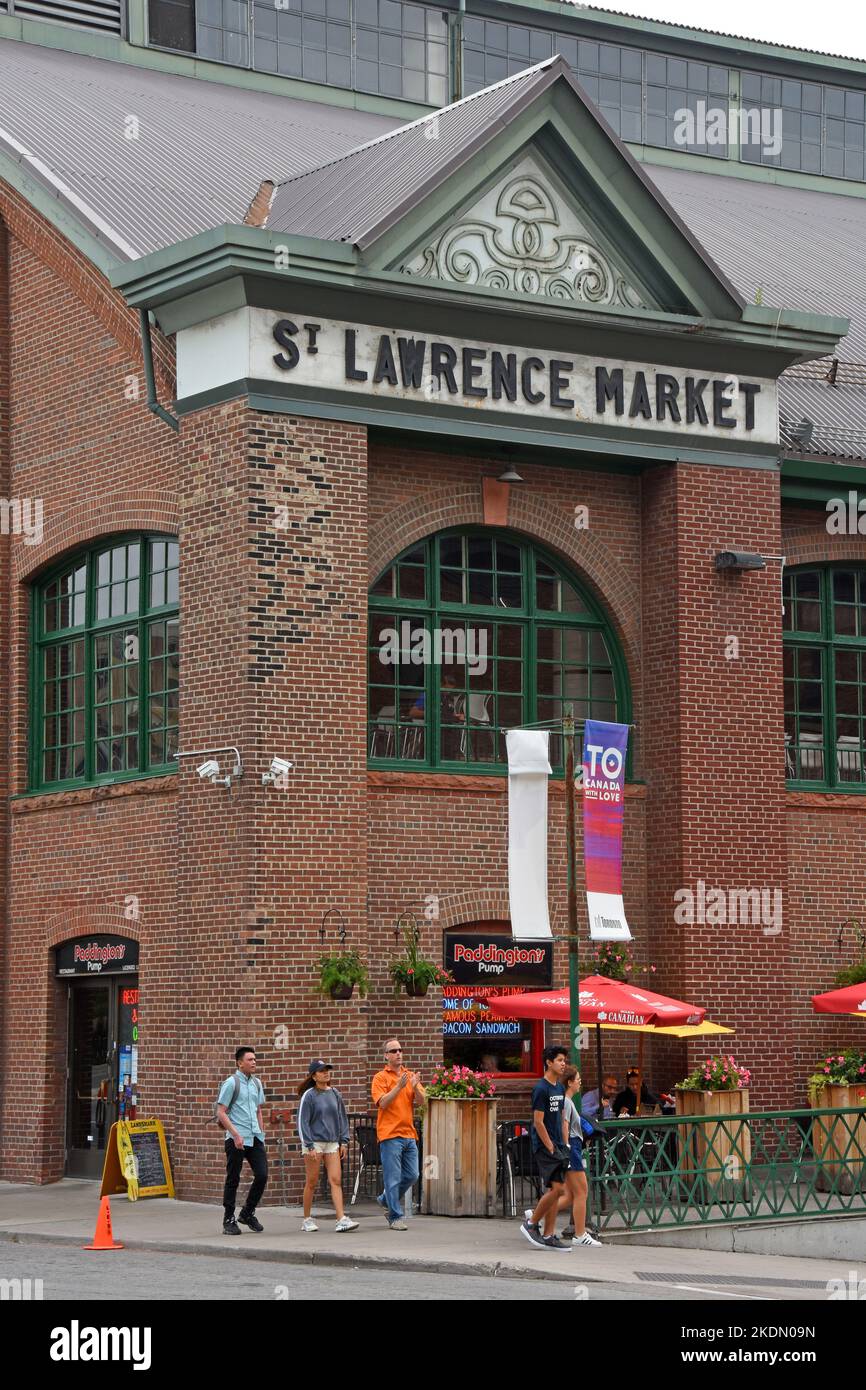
(346, 198)
(357, 197)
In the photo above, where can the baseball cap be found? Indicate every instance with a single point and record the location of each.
(318, 1065)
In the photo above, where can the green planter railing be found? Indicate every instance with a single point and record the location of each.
(700, 1170)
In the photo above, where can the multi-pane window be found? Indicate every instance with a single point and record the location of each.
(475, 633)
(825, 676)
(401, 51)
(620, 80)
(106, 678)
(823, 129)
(222, 31)
(304, 38)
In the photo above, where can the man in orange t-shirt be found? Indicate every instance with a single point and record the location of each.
(396, 1091)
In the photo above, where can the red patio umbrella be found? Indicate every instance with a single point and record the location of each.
(606, 1001)
(601, 1001)
(850, 1000)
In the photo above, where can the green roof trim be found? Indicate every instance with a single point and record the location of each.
(640, 31)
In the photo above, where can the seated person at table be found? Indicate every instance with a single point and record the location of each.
(626, 1102)
(589, 1105)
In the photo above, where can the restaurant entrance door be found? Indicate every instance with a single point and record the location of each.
(103, 1040)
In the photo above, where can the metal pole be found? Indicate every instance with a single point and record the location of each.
(573, 948)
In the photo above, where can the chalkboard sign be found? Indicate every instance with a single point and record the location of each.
(149, 1158)
(146, 1139)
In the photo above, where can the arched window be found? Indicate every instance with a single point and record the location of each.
(105, 664)
(476, 632)
(825, 676)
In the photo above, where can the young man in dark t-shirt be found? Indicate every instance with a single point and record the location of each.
(550, 1150)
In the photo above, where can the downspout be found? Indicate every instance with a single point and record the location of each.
(153, 404)
(457, 53)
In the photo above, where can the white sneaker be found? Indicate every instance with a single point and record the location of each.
(309, 1225)
(585, 1239)
(527, 1215)
(346, 1224)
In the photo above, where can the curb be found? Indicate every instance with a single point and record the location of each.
(419, 1265)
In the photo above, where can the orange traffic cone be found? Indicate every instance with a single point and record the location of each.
(102, 1238)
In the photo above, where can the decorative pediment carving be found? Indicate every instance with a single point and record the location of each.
(523, 238)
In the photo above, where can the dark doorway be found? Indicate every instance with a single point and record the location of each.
(97, 1017)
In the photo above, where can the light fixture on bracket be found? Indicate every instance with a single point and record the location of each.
(739, 560)
(209, 771)
(511, 475)
(277, 770)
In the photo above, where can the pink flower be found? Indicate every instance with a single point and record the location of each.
(827, 1070)
(492, 1089)
(841, 1059)
(472, 1090)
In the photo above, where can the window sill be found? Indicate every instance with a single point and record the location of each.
(835, 800)
(472, 782)
(82, 796)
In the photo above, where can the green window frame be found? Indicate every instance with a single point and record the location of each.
(531, 636)
(105, 676)
(824, 649)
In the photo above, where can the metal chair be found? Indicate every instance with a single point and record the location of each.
(383, 729)
(368, 1154)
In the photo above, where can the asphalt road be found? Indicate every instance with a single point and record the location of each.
(72, 1275)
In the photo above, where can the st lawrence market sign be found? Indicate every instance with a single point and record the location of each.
(390, 365)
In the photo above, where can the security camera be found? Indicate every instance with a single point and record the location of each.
(209, 769)
(278, 768)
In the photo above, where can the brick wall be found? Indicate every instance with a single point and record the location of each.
(283, 524)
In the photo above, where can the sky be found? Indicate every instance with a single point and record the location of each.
(827, 28)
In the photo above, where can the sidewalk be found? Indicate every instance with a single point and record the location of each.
(66, 1212)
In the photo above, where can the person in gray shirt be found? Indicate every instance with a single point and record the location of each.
(323, 1129)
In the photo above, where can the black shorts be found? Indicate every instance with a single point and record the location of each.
(552, 1167)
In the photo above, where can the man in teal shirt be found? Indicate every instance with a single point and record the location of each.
(239, 1110)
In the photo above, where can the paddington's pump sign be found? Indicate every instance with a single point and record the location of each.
(97, 955)
(390, 365)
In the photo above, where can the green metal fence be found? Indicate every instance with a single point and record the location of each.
(701, 1170)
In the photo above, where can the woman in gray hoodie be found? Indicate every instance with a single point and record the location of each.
(323, 1129)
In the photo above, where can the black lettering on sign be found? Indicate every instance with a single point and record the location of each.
(750, 390)
(352, 373)
(667, 390)
(721, 403)
(640, 401)
(472, 359)
(443, 360)
(695, 408)
(530, 365)
(412, 355)
(559, 370)
(503, 376)
(386, 369)
(313, 329)
(609, 387)
(284, 330)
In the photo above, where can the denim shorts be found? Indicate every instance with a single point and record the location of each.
(576, 1164)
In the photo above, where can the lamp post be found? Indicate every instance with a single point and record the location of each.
(570, 837)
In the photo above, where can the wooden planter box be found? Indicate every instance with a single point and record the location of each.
(723, 1151)
(460, 1158)
(840, 1143)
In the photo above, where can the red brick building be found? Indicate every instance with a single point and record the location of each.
(362, 313)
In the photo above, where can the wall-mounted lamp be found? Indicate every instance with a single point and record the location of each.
(739, 560)
(511, 475)
(209, 771)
